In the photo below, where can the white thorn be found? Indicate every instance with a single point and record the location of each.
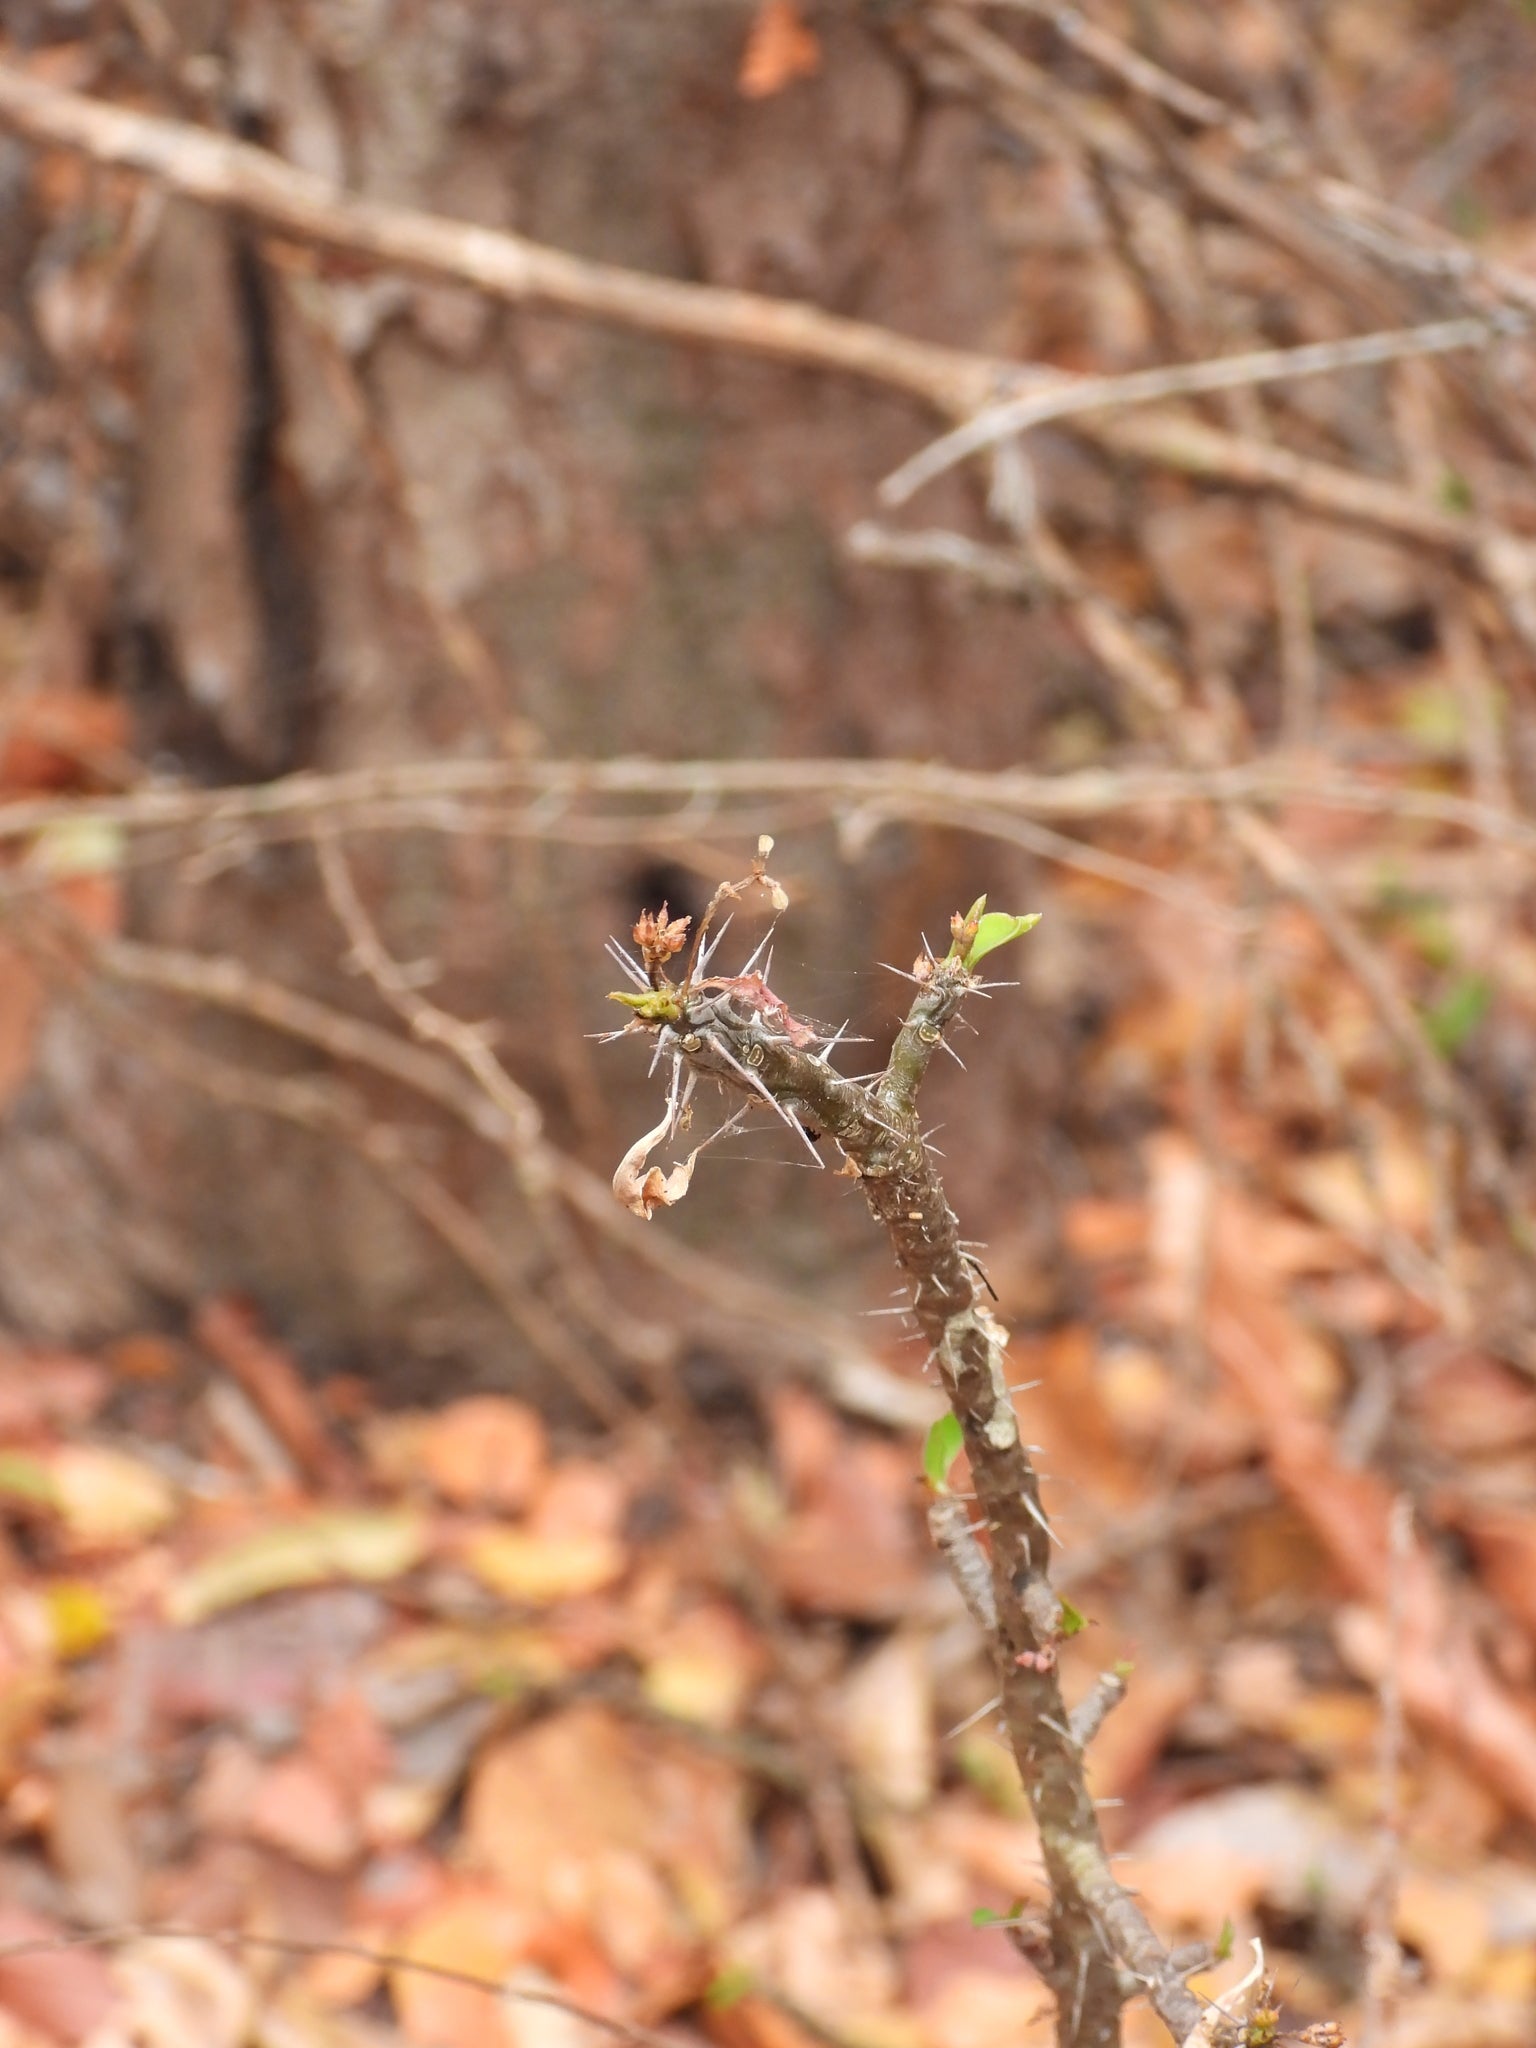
(630, 966)
(707, 950)
(970, 1720)
(778, 1108)
(757, 949)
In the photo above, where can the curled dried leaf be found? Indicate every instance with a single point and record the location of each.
(643, 1190)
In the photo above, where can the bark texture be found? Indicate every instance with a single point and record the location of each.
(313, 518)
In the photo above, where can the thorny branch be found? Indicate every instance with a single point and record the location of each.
(735, 1032)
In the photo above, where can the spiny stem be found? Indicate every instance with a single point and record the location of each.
(1101, 1946)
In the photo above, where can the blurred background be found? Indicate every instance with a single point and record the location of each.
(402, 1545)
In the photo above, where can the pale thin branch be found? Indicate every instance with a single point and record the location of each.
(1186, 380)
(1092, 1711)
(1203, 109)
(1396, 238)
(1384, 1955)
(429, 795)
(238, 1940)
(319, 1106)
(851, 1376)
(1000, 570)
(241, 178)
(955, 1539)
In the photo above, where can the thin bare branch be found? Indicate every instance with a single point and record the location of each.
(244, 179)
(1185, 380)
(455, 796)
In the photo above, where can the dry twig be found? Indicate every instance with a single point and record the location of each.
(243, 179)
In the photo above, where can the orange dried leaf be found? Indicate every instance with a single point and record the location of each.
(63, 1995)
(299, 1810)
(589, 1816)
(479, 1933)
(976, 2007)
(484, 1452)
(780, 49)
(51, 738)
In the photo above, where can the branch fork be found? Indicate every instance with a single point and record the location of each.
(734, 1032)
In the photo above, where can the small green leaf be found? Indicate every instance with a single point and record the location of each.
(943, 1445)
(1454, 492)
(996, 929)
(1451, 1021)
(1226, 1941)
(728, 1987)
(983, 1916)
(1123, 1669)
(1073, 1620)
(655, 1005)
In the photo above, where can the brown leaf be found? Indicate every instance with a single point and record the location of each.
(477, 1931)
(38, 1389)
(88, 1837)
(586, 1815)
(976, 2008)
(484, 1452)
(804, 1946)
(299, 1810)
(703, 1666)
(853, 1549)
(65, 1995)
